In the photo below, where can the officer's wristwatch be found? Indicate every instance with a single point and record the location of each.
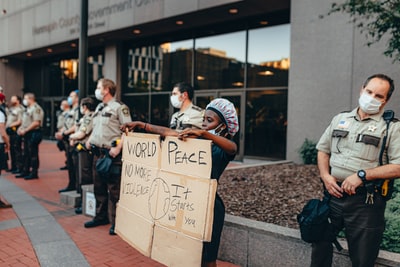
(362, 175)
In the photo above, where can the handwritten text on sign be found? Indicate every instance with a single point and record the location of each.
(191, 157)
(178, 196)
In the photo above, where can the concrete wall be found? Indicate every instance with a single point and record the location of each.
(329, 63)
(48, 22)
(256, 244)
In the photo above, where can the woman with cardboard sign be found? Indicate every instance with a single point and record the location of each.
(220, 124)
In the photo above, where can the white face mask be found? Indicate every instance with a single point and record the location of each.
(175, 101)
(368, 104)
(82, 110)
(216, 130)
(25, 102)
(98, 95)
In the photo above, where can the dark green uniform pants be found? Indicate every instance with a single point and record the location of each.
(32, 140)
(15, 151)
(71, 165)
(363, 225)
(84, 169)
(106, 190)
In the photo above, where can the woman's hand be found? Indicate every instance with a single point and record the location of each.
(190, 133)
(130, 126)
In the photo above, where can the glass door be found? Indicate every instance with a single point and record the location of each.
(237, 98)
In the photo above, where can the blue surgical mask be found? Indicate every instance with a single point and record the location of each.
(69, 99)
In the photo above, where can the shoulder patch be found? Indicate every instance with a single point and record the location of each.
(125, 110)
(197, 108)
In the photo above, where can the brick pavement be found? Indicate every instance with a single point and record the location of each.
(97, 246)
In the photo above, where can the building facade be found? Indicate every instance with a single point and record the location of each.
(238, 49)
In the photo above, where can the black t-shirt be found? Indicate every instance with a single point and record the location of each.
(220, 159)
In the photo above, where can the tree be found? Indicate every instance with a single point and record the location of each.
(376, 18)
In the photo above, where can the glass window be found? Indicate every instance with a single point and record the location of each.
(160, 109)
(177, 63)
(139, 106)
(266, 123)
(220, 61)
(269, 56)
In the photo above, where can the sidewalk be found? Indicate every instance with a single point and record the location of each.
(39, 231)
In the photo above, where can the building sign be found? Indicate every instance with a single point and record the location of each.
(57, 21)
(167, 197)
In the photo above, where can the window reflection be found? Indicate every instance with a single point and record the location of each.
(268, 57)
(220, 61)
(178, 57)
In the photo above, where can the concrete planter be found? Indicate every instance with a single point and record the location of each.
(251, 243)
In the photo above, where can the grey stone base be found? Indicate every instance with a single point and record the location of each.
(251, 243)
(70, 199)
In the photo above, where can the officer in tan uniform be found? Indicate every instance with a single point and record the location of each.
(107, 119)
(14, 120)
(30, 131)
(189, 115)
(84, 166)
(69, 128)
(349, 165)
(61, 119)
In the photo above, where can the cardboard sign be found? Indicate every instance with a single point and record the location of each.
(185, 207)
(190, 157)
(167, 197)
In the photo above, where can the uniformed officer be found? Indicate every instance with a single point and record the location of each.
(61, 118)
(189, 115)
(4, 140)
(69, 128)
(78, 140)
(107, 119)
(348, 160)
(30, 131)
(14, 120)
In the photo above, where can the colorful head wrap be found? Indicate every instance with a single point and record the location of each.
(227, 113)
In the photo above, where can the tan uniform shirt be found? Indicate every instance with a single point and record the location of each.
(61, 119)
(355, 144)
(14, 114)
(71, 118)
(31, 114)
(107, 119)
(85, 125)
(191, 117)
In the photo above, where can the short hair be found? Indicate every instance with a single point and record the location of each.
(185, 87)
(88, 102)
(30, 95)
(18, 98)
(107, 83)
(382, 77)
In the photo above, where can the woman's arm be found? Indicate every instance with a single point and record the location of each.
(225, 144)
(150, 128)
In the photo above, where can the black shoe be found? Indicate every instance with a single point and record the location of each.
(94, 223)
(21, 175)
(112, 230)
(15, 171)
(78, 210)
(64, 168)
(66, 189)
(31, 176)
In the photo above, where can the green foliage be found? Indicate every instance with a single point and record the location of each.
(391, 236)
(308, 152)
(376, 19)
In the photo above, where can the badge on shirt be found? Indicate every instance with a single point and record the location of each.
(343, 124)
(372, 128)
